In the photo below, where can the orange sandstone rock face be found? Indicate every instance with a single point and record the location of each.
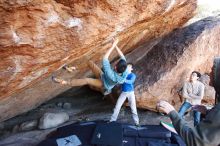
(37, 37)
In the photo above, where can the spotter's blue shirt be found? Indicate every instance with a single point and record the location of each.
(128, 85)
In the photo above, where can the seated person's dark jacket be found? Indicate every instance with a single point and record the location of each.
(207, 133)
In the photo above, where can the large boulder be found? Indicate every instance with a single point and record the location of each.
(51, 120)
(163, 70)
(40, 36)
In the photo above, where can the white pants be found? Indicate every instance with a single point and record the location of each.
(132, 104)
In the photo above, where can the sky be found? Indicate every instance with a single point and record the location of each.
(205, 9)
(212, 4)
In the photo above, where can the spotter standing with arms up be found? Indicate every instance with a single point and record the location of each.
(127, 92)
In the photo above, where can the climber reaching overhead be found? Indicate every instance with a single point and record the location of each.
(105, 80)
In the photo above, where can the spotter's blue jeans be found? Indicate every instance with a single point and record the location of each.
(196, 115)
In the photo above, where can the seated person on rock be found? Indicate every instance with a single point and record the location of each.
(206, 133)
(193, 92)
(106, 79)
(127, 92)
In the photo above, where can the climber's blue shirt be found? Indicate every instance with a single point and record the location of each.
(110, 78)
